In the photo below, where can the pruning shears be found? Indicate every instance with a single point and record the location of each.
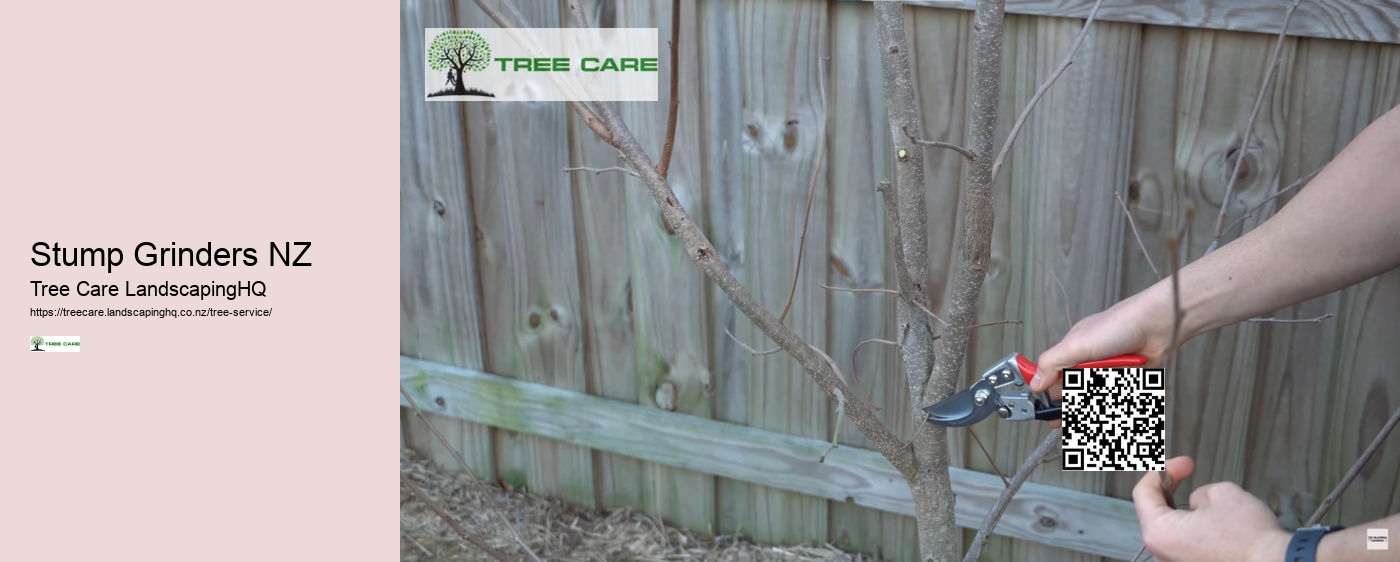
(1005, 389)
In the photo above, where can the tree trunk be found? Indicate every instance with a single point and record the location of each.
(939, 537)
(461, 87)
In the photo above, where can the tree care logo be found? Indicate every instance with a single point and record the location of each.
(541, 64)
(65, 344)
(457, 51)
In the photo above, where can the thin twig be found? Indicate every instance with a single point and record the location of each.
(1300, 182)
(854, 290)
(855, 370)
(1173, 261)
(836, 369)
(458, 455)
(751, 350)
(984, 533)
(1243, 150)
(1315, 320)
(451, 522)
(671, 114)
(988, 454)
(997, 323)
(417, 544)
(811, 195)
(840, 402)
(1355, 469)
(901, 269)
(1069, 316)
(940, 144)
(1145, 254)
(888, 292)
(1044, 87)
(612, 130)
(597, 171)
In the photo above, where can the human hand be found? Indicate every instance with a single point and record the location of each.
(1131, 326)
(1225, 523)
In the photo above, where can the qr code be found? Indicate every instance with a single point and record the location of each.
(1114, 419)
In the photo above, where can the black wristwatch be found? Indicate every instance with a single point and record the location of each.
(1303, 547)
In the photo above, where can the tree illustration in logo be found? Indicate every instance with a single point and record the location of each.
(457, 51)
(36, 341)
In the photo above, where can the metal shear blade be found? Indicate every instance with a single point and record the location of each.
(962, 409)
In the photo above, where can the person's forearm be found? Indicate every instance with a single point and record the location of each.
(1343, 228)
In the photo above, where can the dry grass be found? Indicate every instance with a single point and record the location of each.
(555, 530)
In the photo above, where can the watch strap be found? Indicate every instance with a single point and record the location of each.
(1303, 547)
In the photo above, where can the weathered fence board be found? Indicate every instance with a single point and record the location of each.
(1338, 19)
(528, 263)
(439, 314)
(514, 267)
(779, 119)
(1080, 521)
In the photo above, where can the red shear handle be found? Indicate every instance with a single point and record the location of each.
(1028, 368)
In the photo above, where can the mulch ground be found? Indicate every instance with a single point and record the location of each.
(554, 530)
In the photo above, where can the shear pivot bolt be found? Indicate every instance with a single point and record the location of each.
(1004, 412)
(980, 397)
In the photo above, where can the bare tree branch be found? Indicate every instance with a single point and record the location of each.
(597, 171)
(1137, 236)
(1300, 182)
(751, 350)
(888, 292)
(1315, 320)
(855, 369)
(1355, 469)
(940, 144)
(988, 454)
(612, 130)
(1243, 150)
(1173, 262)
(1044, 87)
(931, 484)
(984, 533)
(811, 195)
(901, 269)
(674, 110)
(978, 214)
(1069, 316)
(451, 522)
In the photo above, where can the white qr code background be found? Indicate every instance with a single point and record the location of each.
(1114, 419)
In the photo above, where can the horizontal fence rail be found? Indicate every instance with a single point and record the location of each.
(1354, 20)
(1044, 514)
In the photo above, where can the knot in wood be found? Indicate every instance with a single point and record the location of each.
(666, 396)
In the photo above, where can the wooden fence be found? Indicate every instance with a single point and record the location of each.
(515, 272)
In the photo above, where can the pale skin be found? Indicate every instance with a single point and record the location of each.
(1342, 228)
